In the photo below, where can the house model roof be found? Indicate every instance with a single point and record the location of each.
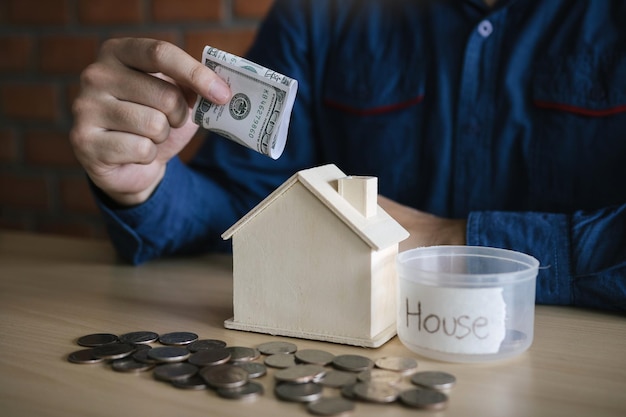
(379, 231)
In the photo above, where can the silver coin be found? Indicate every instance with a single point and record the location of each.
(139, 338)
(141, 355)
(380, 376)
(169, 354)
(434, 380)
(330, 406)
(424, 399)
(244, 392)
(298, 392)
(178, 338)
(210, 357)
(254, 369)
(347, 391)
(84, 356)
(338, 379)
(224, 376)
(130, 365)
(243, 354)
(113, 351)
(280, 360)
(173, 371)
(377, 393)
(203, 344)
(352, 363)
(397, 364)
(195, 382)
(315, 356)
(272, 348)
(300, 374)
(97, 339)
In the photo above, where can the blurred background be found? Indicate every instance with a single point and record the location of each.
(44, 45)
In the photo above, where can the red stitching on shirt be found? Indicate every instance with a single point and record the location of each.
(580, 110)
(374, 110)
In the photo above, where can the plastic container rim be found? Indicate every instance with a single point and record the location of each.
(530, 263)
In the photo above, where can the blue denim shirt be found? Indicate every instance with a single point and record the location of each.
(512, 117)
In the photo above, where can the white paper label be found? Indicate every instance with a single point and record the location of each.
(452, 320)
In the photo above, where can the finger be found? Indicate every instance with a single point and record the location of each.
(136, 87)
(156, 56)
(137, 119)
(115, 148)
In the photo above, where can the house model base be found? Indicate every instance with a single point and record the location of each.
(316, 259)
(371, 342)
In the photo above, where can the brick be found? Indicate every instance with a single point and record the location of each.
(67, 54)
(72, 228)
(46, 148)
(105, 12)
(36, 12)
(251, 9)
(26, 192)
(76, 197)
(32, 102)
(234, 41)
(17, 53)
(8, 146)
(186, 10)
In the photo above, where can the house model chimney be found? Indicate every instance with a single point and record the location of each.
(361, 192)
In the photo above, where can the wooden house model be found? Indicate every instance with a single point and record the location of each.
(316, 260)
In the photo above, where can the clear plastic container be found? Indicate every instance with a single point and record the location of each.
(466, 303)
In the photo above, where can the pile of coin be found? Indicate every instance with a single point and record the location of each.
(185, 361)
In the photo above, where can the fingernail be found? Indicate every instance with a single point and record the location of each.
(219, 91)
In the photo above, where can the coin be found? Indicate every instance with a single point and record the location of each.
(315, 356)
(206, 344)
(141, 355)
(84, 356)
(169, 354)
(254, 369)
(243, 354)
(113, 351)
(244, 392)
(272, 348)
(178, 338)
(224, 376)
(173, 371)
(298, 392)
(330, 406)
(397, 364)
(195, 382)
(300, 374)
(424, 399)
(97, 339)
(338, 379)
(347, 391)
(130, 365)
(377, 393)
(139, 338)
(352, 363)
(280, 360)
(210, 357)
(434, 380)
(380, 376)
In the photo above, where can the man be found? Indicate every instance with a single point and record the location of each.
(498, 126)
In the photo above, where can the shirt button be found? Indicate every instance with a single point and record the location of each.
(485, 28)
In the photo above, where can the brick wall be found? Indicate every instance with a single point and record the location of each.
(44, 44)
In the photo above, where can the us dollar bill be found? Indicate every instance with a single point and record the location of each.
(258, 113)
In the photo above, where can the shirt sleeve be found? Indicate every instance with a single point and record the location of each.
(582, 255)
(196, 202)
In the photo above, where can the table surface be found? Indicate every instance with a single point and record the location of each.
(54, 290)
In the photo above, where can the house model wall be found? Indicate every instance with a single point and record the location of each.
(311, 263)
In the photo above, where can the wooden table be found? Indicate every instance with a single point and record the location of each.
(53, 290)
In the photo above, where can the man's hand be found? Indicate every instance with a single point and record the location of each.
(133, 114)
(425, 229)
